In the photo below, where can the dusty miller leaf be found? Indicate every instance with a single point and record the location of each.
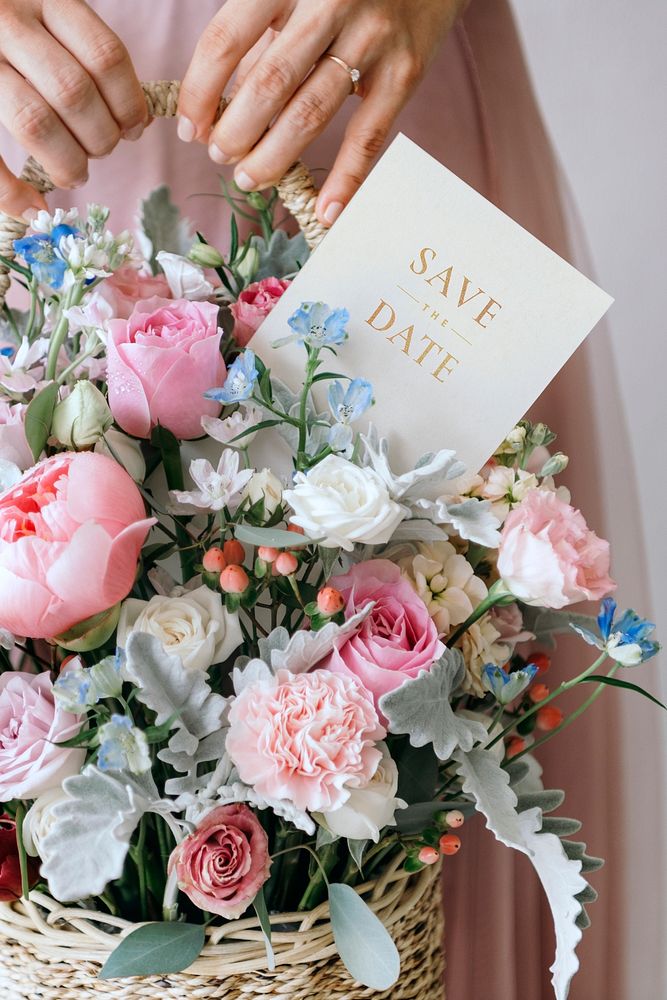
(546, 624)
(282, 256)
(163, 225)
(422, 709)
(305, 649)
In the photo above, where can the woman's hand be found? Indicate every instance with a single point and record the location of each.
(290, 93)
(68, 92)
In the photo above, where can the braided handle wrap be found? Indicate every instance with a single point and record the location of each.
(297, 189)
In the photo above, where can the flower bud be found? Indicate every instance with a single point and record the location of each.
(249, 265)
(555, 464)
(549, 718)
(449, 844)
(125, 450)
(515, 746)
(330, 601)
(539, 660)
(234, 580)
(428, 855)
(214, 560)
(455, 818)
(286, 564)
(296, 529)
(538, 693)
(265, 486)
(233, 552)
(205, 255)
(267, 554)
(80, 420)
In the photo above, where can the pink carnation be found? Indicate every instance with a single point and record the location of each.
(253, 306)
(223, 864)
(31, 725)
(161, 362)
(127, 286)
(396, 641)
(71, 531)
(305, 738)
(548, 555)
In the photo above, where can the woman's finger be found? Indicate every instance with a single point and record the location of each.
(269, 85)
(225, 41)
(18, 199)
(36, 127)
(104, 57)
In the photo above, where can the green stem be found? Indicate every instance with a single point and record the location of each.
(313, 891)
(498, 594)
(138, 858)
(73, 298)
(33, 311)
(23, 859)
(311, 367)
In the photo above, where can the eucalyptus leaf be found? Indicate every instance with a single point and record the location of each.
(276, 538)
(163, 225)
(155, 949)
(38, 418)
(363, 942)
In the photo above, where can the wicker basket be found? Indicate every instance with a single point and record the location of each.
(49, 952)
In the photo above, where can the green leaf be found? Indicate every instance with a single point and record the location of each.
(363, 942)
(155, 949)
(326, 376)
(170, 450)
(417, 773)
(615, 682)
(162, 223)
(275, 538)
(234, 239)
(259, 905)
(38, 418)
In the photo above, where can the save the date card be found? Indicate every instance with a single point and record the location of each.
(458, 316)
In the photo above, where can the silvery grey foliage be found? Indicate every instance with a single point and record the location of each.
(162, 226)
(471, 518)
(290, 402)
(281, 257)
(432, 470)
(422, 709)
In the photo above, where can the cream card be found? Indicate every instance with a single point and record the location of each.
(458, 316)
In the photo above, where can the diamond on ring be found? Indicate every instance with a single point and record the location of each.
(353, 73)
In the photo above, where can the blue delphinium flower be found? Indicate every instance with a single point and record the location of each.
(240, 382)
(317, 325)
(505, 687)
(346, 406)
(73, 689)
(123, 747)
(41, 254)
(625, 640)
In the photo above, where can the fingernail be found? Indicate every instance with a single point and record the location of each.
(217, 154)
(132, 134)
(245, 181)
(30, 215)
(332, 212)
(186, 130)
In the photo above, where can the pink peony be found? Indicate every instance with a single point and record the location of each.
(548, 555)
(396, 641)
(223, 864)
(127, 286)
(31, 724)
(254, 305)
(70, 536)
(161, 362)
(14, 445)
(305, 738)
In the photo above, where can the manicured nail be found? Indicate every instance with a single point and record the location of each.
(186, 130)
(132, 134)
(217, 155)
(245, 181)
(30, 215)
(332, 212)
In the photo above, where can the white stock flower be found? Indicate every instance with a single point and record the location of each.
(505, 488)
(46, 223)
(195, 627)
(224, 431)
(186, 279)
(39, 818)
(479, 645)
(446, 583)
(342, 504)
(217, 488)
(264, 486)
(369, 809)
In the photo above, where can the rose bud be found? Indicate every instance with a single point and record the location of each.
(515, 746)
(214, 560)
(428, 855)
(234, 580)
(449, 843)
(81, 419)
(549, 718)
(330, 601)
(286, 564)
(234, 552)
(267, 554)
(538, 693)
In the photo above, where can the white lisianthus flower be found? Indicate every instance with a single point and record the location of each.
(265, 486)
(125, 450)
(186, 279)
(342, 504)
(371, 808)
(446, 583)
(479, 645)
(39, 818)
(195, 626)
(225, 431)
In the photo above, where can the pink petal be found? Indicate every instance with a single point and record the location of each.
(121, 567)
(178, 402)
(127, 398)
(27, 607)
(100, 490)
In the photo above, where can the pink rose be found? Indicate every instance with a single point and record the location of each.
(31, 724)
(548, 555)
(253, 306)
(161, 362)
(508, 622)
(396, 641)
(14, 445)
(127, 286)
(305, 738)
(223, 864)
(70, 536)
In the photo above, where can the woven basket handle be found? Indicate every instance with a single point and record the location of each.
(297, 189)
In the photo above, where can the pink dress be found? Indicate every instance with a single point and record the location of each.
(476, 113)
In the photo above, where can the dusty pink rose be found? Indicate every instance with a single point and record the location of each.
(13, 442)
(70, 535)
(305, 738)
(223, 864)
(397, 639)
(31, 723)
(161, 362)
(127, 286)
(254, 305)
(549, 556)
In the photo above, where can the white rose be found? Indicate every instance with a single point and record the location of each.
(186, 280)
(195, 626)
(343, 503)
(39, 818)
(265, 486)
(371, 808)
(126, 451)
(498, 749)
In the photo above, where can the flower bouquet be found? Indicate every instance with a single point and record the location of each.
(246, 702)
